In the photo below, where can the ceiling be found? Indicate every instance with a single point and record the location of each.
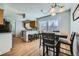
(32, 10)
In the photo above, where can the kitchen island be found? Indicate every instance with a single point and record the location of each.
(26, 33)
(5, 42)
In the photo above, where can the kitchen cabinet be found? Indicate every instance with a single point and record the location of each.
(1, 16)
(5, 42)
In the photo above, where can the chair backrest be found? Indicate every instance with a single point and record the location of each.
(48, 35)
(48, 38)
(44, 35)
(51, 35)
(72, 41)
(72, 38)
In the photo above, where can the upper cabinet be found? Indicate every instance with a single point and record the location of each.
(1, 16)
(30, 24)
(33, 24)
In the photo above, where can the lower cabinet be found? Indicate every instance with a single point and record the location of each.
(5, 42)
(27, 33)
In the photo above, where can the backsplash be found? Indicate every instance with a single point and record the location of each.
(6, 27)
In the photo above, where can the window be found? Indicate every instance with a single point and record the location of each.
(53, 25)
(49, 25)
(43, 26)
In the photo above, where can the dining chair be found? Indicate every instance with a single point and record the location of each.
(68, 43)
(36, 36)
(49, 43)
(41, 39)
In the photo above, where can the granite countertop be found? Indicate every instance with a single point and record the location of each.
(6, 32)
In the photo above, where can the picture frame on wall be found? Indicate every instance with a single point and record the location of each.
(76, 13)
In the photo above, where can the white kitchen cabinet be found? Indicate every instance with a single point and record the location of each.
(27, 32)
(5, 42)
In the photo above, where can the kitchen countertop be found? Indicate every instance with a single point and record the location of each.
(5, 32)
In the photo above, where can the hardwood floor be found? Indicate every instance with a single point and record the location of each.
(21, 48)
(77, 50)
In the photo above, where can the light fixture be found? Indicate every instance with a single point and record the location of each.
(52, 11)
(55, 8)
(53, 14)
(61, 10)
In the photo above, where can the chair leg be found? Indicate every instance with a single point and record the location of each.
(43, 50)
(58, 49)
(71, 50)
(40, 44)
(47, 50)
(54, 51)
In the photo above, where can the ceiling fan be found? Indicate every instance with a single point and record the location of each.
(54, 9)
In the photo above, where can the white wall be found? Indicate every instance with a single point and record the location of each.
(65, 22)
(19, 28)
(74, 24)
(74, 28)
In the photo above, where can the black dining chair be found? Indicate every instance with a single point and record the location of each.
(41, 36)
(41, 39)
(49, 43)
(69, 43)
(36, 36)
